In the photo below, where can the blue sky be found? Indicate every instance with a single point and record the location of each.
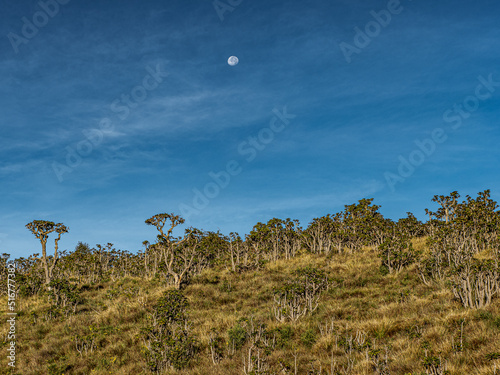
(115, 111)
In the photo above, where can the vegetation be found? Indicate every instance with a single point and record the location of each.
(353, 293)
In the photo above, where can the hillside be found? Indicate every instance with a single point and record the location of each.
(365, 323)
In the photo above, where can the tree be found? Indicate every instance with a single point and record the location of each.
(411, 226)
(168, 343)
(212, 249)
(41, 229)
(475, 283)
(448, 206)
(178, 254)
(396, 252)
(361, 225)
(277, 239)
(260, 240)
(4, 272)
(463, 245)
(318, 235)
(236, 250)
(300, 295)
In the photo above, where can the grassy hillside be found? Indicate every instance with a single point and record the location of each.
(366, 323)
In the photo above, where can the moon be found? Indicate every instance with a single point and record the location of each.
(233, 60)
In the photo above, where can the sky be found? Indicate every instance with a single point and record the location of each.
(112, 112)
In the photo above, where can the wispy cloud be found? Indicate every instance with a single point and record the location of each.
(353, 120)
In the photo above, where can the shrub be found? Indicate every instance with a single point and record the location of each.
(308, 338)
(300, 295)
(216, 344)
(29, 284)
(237, 336)
(171, 308)
(496, 322)
(167, 341)
(396, 253)
(434, 365)
(475, 283)
(284, 336)
(64, 295)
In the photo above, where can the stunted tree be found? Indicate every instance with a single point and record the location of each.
(463, 247)
(3, 272)
(243, 254)
(361, 224)
(277, 239)
(448, 206)
(397, 252)
(236, 250)
(475, 283)
(178, 254)
(168, 342)
(411, 226)
(300, 295)
(41, 229)
(324, 234)
(212, 249)
(260, 240)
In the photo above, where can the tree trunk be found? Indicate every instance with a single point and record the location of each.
(44, 262)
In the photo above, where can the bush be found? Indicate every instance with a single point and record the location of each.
(308, 338)
(167, 341)
(237, 336)
(30, 284)
(475, 283)
(64, 295)
(284, 336)
(496, 322)
(171, 307)
(396, 252)
(216, 344)
(301, 295)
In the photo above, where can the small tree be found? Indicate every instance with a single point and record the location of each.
(179, 255)
(318, 235)
(236, 250)
(41, 229)
(411, 226)
(300, 295)
(64, 295)
(167, 340)
(362, 225)
(396, 252)
(476, 282)
(4, 272)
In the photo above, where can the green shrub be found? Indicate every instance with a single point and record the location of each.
(237, 336)
(216, 344)
(308, 338)
(171, 307)
(396, 252)
(64, 295)
(30, 284)
(496, 322)
(492, 356)
(300, 295)
(284, 336)
(167, 341)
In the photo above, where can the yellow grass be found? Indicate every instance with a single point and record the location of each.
(386, 309)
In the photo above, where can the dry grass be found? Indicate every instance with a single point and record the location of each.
(396, 314)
